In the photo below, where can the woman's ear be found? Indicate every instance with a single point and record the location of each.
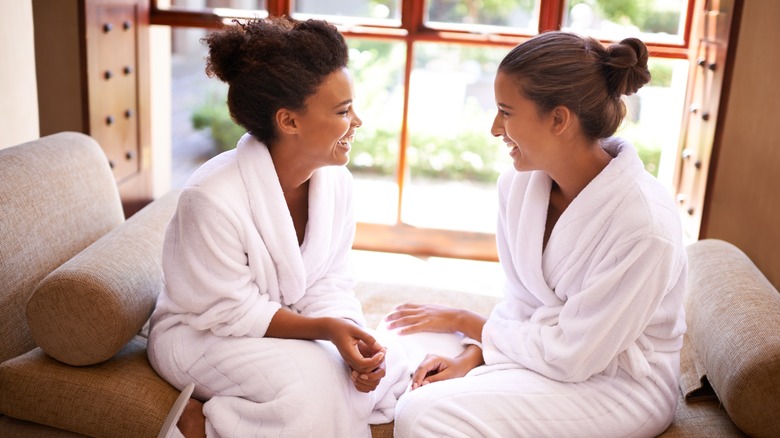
(287, 121)
(562, 119)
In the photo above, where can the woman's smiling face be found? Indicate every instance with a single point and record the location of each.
(329, 121)
(520, 125)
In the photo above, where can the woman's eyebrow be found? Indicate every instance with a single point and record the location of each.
(346, 102)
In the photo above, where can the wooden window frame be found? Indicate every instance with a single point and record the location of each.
(401, 237)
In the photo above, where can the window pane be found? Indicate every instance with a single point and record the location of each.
(520, 15)
(661, 21)
(378, 69)
(654, 117)
(386, 12)
(255, 5)
(200, 124)
(453, 160)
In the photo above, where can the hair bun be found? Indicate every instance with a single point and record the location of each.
(625, 65)
(226, 53)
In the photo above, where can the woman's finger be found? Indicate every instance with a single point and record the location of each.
(432, 364)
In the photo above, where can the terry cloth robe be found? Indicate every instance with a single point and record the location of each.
(587, 340)
(231, 260)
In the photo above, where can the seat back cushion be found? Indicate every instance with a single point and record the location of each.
(733, 316)
(85, 311)
(57, 196)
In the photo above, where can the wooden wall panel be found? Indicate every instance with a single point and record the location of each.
(743, 196)
(92, 62)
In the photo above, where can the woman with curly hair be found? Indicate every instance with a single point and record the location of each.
(586, 341)
(258, 313)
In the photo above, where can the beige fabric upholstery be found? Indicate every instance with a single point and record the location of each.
(86, 310)
(13, 428)
(733, 315)
(66, 204)
(122, 397)
(701, 419)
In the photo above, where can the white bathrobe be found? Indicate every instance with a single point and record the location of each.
(231, 260)
(587, 340)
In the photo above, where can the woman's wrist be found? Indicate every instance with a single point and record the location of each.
(471, 357)
(470, 324)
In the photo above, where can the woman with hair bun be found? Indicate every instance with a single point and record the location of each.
(258, 316)
(586, 341)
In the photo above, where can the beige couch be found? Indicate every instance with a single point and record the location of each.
(78, 283)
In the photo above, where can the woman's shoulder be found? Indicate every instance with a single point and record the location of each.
(214, 170)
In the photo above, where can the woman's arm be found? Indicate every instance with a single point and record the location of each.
(360, 350)
(436, 368)
(415, 318)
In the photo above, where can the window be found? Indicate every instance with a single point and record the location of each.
(424, 161)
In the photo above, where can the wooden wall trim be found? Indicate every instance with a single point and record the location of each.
(426, 242)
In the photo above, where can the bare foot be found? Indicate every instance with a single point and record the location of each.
(192, 422)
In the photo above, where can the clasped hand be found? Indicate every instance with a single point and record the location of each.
(360, 351)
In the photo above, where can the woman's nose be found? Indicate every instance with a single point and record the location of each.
(356, 120)
(497, 129)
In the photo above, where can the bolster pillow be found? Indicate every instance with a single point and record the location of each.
(85, 311)
(733, 315)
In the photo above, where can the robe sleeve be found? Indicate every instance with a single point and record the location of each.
(206, 270)
(596, 324)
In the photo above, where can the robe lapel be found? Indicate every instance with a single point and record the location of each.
(530, 210)
(271, 216)
(319, 229)
(578, 232)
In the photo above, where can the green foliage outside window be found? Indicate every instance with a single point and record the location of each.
(644, 14)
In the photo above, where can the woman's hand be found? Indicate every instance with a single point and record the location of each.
(360, 351)
(367, 382)
(435, 368)
(415, 318)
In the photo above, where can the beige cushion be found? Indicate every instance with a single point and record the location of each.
(57, 196)
(87, 309)
(122, 397)
(733, 316)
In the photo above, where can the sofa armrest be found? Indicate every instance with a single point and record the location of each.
(90, 307)
(733, 316)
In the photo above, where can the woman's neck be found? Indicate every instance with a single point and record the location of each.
(293, 175)
(577, 170)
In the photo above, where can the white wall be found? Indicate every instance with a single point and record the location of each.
(18, 89)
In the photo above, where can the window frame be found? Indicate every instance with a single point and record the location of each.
(400, 237)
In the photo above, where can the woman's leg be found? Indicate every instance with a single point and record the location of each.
(277, 387)
(495, 402)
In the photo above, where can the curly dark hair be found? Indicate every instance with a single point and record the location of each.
(273, 63)
(561, 68)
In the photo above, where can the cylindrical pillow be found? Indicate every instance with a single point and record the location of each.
(733, 315)
(90, 307)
